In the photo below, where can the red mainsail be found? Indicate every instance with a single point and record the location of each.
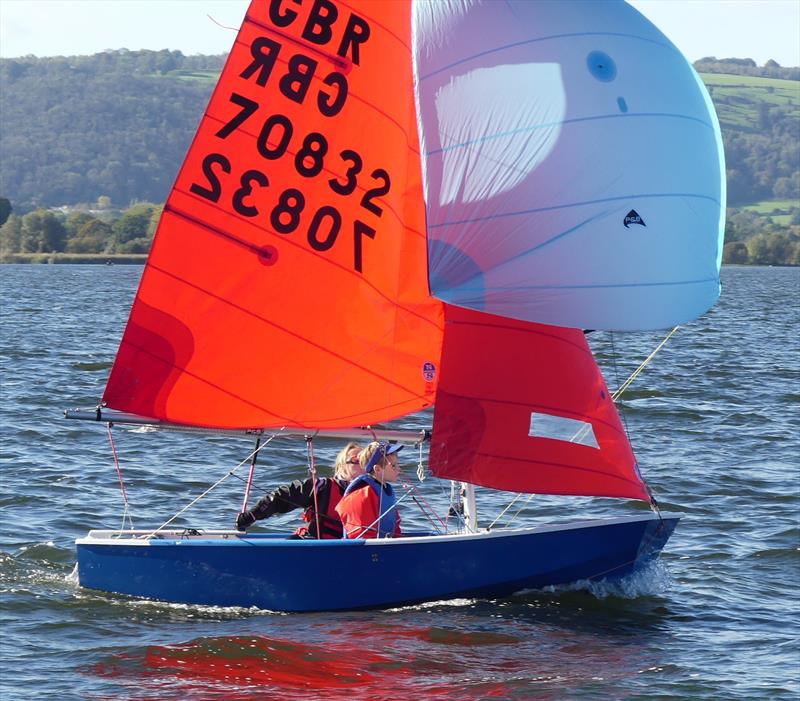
(286, 283)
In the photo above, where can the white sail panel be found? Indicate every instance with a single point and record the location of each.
(573, 165)
(512, 150)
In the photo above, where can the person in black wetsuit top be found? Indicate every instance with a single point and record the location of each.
(300, 495)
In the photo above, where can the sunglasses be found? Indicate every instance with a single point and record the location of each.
(352, 461)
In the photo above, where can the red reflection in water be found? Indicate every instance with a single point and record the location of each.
(250, 660)
(375, 659)
(259, 659)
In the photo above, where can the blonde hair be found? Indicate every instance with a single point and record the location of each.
(366, 455)
(340, 470)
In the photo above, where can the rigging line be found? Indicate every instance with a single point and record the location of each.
(212, 487)
(250, 475)
(219, 24)
(456, 508)
(430, 510)
(500, 515)
(433, 523)
(277, 498)
(381, 515)
(621, 388)
(312, 466)
(644, 364)
(519, 511)
(616, 379)
(449, 505)
(126, 510)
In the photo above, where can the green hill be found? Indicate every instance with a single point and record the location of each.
(116, 126)
(740, 100)
(760, 121)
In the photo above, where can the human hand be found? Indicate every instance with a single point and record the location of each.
(244, 520)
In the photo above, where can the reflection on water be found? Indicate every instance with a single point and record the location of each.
(501, 649)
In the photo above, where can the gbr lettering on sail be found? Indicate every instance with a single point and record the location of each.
(286, 153)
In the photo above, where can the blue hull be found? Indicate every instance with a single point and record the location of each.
(271, 572)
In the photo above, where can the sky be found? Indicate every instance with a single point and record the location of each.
(757, 29)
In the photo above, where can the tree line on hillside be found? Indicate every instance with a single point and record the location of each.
(100, 231)
(116, 124)
(119, 123)
(115, 127)
(750, 237)
(746, 66)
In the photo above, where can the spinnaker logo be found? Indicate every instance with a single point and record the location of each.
(633, 217)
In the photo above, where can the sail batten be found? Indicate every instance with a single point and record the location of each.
(260, 251)
(560, 479)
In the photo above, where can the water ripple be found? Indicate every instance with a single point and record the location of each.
(715, 427)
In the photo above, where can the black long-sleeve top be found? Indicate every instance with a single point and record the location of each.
(300, 495)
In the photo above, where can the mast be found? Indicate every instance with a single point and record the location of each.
(470, 510)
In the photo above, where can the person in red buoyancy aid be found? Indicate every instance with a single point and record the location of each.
(300, 495)
(369, 506)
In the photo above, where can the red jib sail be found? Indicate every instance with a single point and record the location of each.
(286, 283)
(524, 407)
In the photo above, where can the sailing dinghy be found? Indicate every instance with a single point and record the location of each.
(398, 205)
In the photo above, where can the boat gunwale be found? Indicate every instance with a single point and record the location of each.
(240, 539)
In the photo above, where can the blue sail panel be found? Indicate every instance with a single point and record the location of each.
(573, 165)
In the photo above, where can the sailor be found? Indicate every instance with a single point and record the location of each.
(300, 495)
(369, 506)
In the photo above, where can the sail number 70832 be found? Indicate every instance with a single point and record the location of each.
(286, 216)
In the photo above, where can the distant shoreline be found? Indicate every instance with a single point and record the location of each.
(75, 258)
(141, 259)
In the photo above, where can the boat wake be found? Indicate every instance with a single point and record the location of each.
(654, 579)
(72, 577)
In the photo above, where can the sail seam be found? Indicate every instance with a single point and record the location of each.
(338, 61)
(597, 286)
(568, 205)
(185, 371)
(516, 329)
(528, 461)
(258, 250)
(276, 326)
(543, 407)
(536, 40)
(550, 125)
(287, 420)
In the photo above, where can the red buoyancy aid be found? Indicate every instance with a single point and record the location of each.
(329, 494)
(360, 510)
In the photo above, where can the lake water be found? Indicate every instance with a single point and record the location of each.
(714, 421)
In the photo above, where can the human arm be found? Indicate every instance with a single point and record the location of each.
(288, 497)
